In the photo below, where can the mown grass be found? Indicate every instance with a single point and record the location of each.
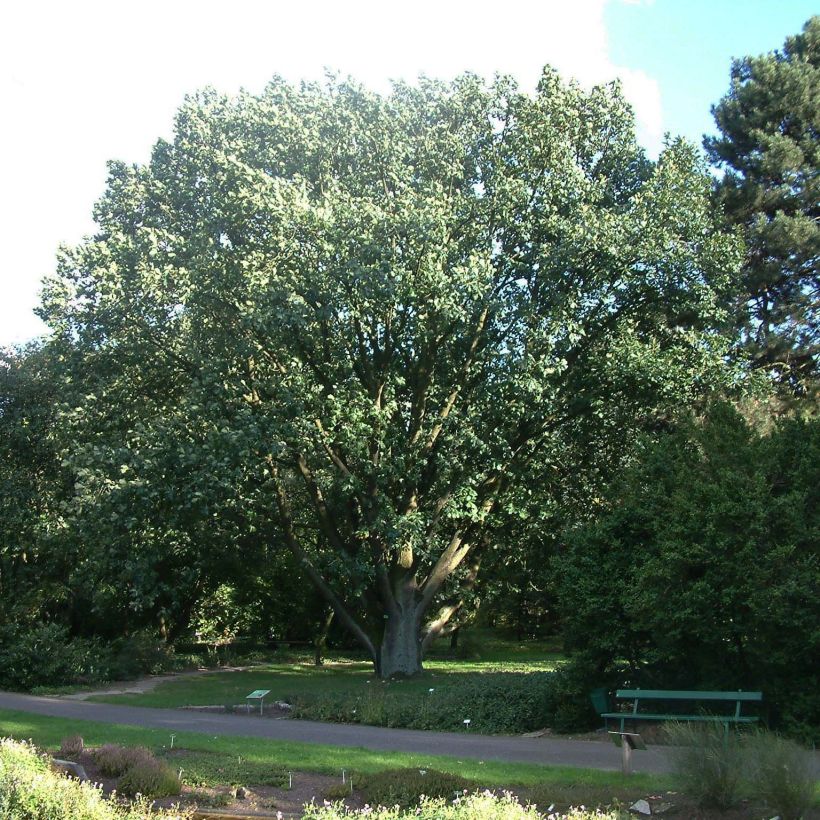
(258, 754)
(340, 675)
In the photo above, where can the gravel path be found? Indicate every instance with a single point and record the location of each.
(541, 750)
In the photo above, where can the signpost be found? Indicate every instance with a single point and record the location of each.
(257, 694)
(627, 741)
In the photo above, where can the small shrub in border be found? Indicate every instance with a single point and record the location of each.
(150, 778)
(708, 761)
(781, 772)
(71, 747)
(338, 791)
(114, 760)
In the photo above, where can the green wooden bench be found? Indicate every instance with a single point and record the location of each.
(639, 696)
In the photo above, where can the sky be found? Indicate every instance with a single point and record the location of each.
(84, 82)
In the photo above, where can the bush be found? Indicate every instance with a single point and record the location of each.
(114, 760)
(71, 747)
(338, 791)
(501, 703)
(781, 774)
(708, 761)
(46, 655)
(150, 778)
(405, 787)
(139, 654)
(484, 806)
(30, 791)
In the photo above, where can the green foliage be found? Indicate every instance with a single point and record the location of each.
(483, 806)
(502, 703)
(342, 327)
(769, 146)
(138, 654)
(701, 569)
(709, 762)
(149, 777)
(37, 656)
(781, 774)
(45, 655)
(30, 791)
(406, 787)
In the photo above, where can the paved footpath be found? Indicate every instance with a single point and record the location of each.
(541, 750)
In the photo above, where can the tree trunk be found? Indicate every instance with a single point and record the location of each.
(320, 641)
(400, 650)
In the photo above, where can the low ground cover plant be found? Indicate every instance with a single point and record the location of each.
(71, 747)
(483, 806)
(201, 768)
(406, 787)
(29, 790)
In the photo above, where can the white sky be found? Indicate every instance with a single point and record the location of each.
(82, 82)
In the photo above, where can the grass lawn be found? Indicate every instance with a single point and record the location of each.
(338, 675)
(245, 756)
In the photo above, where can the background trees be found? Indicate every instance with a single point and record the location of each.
(768, 144)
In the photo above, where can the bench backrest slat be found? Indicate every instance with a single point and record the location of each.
(662, 694)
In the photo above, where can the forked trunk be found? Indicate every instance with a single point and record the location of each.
(400, 651)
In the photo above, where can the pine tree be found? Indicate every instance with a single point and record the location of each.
(769, 123)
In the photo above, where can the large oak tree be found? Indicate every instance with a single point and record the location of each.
(363, 320)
